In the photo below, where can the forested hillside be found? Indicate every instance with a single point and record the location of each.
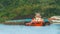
(13, 8)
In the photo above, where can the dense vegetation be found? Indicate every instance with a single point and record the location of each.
(12, 8)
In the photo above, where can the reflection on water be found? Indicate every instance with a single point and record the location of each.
(20, 29)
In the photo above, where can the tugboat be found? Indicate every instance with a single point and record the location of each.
(37, 21)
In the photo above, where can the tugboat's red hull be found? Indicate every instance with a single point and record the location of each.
(34, 24)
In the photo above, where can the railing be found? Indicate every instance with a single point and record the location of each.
(22, 20)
